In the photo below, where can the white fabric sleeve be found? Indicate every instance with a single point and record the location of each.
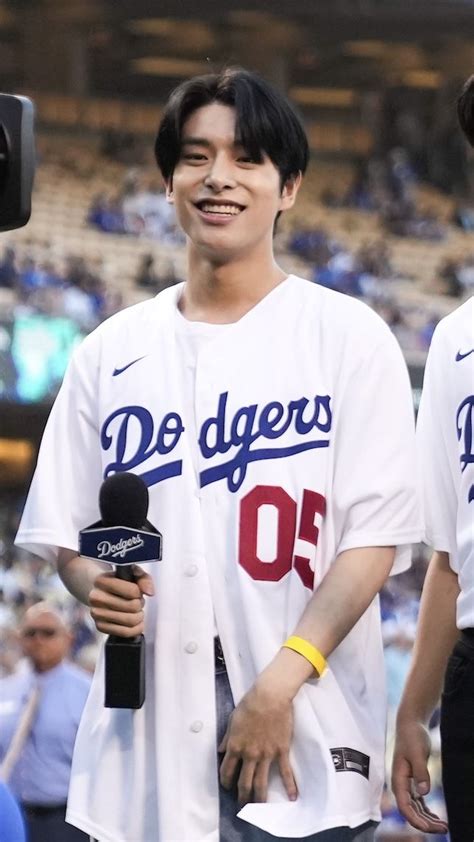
(434, 444)
(375, 487)
(63, 497)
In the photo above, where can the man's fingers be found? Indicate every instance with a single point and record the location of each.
(101, 599)
(404, 780)
(108, 583)
(127, 619)
(119, 631)
(432, 823)
(410, 804)
(228, 770)
(260, 781)
(287, 776)
(412, 811)
(245, 783)
(223, 744)
(116, 605)
(401, 781)
(412, 816)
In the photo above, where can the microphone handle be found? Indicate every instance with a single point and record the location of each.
(125, 663)
(125, 572)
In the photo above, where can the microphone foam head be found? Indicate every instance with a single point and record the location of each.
(123, 501)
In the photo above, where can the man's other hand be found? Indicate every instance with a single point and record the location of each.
(259, 733)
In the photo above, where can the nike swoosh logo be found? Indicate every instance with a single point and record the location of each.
(460, 356)
(124, 368)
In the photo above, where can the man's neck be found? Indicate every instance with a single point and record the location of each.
(39, 670)
(222, 294)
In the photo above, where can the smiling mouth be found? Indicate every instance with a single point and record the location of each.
(219, 208)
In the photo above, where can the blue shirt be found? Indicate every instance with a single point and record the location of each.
(12, 827)
(41, 774)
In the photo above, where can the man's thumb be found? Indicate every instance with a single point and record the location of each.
(144, 581)
(421, 778)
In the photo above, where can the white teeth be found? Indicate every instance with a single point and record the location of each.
(224, 209)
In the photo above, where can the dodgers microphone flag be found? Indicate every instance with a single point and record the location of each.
(123, 537)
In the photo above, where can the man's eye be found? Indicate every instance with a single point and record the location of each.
(194, 156)
(246, 159)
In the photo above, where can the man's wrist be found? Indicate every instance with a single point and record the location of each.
(286, 674)
(414, 713)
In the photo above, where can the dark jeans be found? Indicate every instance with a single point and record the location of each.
(233, 829)
(457, 740)
(48, 825)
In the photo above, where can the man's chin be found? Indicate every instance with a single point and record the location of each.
(219, 253)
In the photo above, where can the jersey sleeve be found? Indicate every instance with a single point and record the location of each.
(434, 444)
(63, 496)
(375, 486)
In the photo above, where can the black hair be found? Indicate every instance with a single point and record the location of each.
(465, 108)
(265, 120)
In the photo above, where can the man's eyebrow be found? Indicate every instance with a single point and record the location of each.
(195, 141)
(202, 141)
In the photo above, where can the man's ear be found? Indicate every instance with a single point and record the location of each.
(169, 191)
(290, 191)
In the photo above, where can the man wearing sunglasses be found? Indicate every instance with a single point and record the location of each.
(40, 708)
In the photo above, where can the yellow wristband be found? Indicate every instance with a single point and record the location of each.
(308, 651)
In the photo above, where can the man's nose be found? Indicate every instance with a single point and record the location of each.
(221, 174)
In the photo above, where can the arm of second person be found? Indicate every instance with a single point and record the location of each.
(435, 638)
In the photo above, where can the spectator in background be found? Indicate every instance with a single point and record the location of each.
(40, 713)
(448, 272)
(97, 210)
(401, 178)
(150, 279)
(147, 277)
(8, 270)
(466, 274)
(160, 216)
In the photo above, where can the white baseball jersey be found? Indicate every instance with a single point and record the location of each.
(446, 449)
(305, 449)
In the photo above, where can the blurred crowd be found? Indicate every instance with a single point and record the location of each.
(139, 209)
(388, 186)
(73, 287)
(370, 273)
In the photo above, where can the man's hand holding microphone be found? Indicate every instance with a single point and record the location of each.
(122, 537)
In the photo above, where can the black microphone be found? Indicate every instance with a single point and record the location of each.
(123, 537)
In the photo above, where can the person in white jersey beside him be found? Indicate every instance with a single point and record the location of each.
(444, 646)
(272, 422)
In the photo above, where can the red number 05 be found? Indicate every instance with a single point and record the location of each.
(273, 571)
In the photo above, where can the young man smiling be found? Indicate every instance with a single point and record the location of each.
(272, 421)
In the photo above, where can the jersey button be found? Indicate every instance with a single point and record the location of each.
(197, 726)
(191, 647)
(191, 570)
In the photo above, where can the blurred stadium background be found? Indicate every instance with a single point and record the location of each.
(386, 214)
